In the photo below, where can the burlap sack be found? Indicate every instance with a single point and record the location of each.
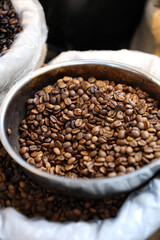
(155, 236)
(147, 36)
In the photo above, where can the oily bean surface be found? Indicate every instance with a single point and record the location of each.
(90, 129)
(18, 191)
(9, 25)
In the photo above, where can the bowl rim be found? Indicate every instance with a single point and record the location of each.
(78, 181)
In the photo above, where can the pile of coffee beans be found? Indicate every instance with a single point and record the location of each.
(19, 191)
(9, 25)
(90, 129)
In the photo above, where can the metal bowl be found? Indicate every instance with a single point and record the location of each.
(13, 111)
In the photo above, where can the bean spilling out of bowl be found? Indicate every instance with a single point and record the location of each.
(90, 129)
(9, 25)
(19, 191)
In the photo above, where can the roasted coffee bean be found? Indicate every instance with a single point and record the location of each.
(94, 139)
(10, 26)
(144, 135)
(88, 136)
(78, 122)
(56, 151)
(121, 134)
(17, 190)
(9, 131)
(131, 160)
(112, 174)
(121, 168)
(67, 101)
(78, 128)
(102, 153)
(129, 150)
(135, 133)
(23, 150)
(79, 136)
(117, 123)
(66, 144)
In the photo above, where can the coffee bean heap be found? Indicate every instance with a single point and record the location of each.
(9, 25)
(90, 129)
(19, 191)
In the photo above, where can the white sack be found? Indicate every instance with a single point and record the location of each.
(26, 50)
(147, 62)
(137, 220)
(139, 216)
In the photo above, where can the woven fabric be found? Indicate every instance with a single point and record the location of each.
(155, 236)
(147, 36)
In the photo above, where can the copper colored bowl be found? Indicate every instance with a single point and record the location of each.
(13, 111)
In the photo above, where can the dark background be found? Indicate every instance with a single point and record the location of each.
(91, 24)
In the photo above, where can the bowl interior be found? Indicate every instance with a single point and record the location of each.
(16, 108)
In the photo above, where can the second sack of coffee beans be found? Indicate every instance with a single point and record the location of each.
(20, 49)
